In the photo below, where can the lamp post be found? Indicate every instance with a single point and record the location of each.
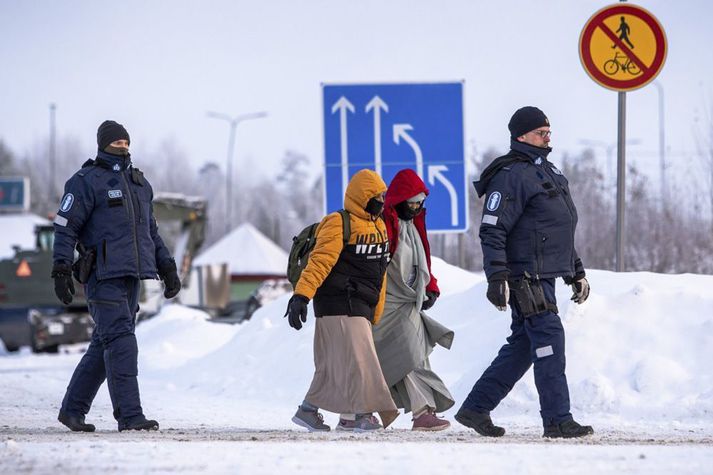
(233, 122)
(662, 147)
(53, 155)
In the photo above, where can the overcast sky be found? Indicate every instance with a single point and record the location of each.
(157, 67)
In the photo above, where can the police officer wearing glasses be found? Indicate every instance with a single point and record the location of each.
(106, 213)
(527, 237)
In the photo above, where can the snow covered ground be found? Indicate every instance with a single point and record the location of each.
(639, 354)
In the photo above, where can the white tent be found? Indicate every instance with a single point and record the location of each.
(18, 230)
(247, 252)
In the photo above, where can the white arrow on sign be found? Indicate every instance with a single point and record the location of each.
(400, 132)
(435, 173)
(377, 104)
(343, 105)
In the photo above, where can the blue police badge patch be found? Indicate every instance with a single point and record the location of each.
(494, 201)
(67, 202)
(116, 167)
(538, 161)
(115, 194)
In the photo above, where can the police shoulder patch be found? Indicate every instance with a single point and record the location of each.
(67, 202)
(494, 201)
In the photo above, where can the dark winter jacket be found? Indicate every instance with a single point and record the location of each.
(107, 207)
(529, 218)
(406, 184)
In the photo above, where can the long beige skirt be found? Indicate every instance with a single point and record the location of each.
(347, 376)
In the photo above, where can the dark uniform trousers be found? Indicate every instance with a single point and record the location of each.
(112, 353)
(537, 340)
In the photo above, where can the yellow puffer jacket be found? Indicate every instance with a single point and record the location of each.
(349, 280)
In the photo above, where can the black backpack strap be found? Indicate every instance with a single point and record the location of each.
(346, 226)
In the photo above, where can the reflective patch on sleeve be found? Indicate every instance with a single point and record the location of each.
(490, 219)
(67, 202)
(60, 220)
(544, 351)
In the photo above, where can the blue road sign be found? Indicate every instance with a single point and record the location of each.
(388, 127)
(14, 194)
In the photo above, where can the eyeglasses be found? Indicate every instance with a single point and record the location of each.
(542, 133)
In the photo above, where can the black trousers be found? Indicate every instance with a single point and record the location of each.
(112, 354)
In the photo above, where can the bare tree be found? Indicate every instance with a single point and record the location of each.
(7, 161)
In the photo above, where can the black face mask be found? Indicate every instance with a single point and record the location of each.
(405, 212)
(374, 207)
(119, 151)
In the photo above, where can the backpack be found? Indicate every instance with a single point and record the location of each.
(304, 242)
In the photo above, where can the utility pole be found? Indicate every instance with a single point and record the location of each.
(53, 198)
(233, 122)
(662, 147)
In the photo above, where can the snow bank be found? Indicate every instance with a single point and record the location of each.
(178, 335)
(639, 348)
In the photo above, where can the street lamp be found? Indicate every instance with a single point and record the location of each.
(233, 122)
(662, 146)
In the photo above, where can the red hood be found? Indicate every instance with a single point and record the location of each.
(405, 185)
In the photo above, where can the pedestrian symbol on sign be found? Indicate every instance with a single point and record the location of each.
(623, 31)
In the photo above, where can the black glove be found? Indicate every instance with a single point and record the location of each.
(580, 285)
(430, 300)
(498, 290)
(297, 310)
(580, 290)
(169, 276)
(63, 285)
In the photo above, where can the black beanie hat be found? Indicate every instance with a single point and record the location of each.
(110, 131)
(526, 119)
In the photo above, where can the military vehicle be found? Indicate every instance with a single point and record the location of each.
(31, 314)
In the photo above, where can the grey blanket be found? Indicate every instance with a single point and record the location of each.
(406, 336)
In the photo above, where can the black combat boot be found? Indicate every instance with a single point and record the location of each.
(481, 423)
(75, 423)
(144, 424)
(567, 430)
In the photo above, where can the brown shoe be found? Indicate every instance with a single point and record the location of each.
(429, 421)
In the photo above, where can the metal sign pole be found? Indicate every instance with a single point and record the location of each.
(621, 184)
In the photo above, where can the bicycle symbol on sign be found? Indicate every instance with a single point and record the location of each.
(622, 62)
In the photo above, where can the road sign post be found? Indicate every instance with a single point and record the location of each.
(388, 127)
(622, 47)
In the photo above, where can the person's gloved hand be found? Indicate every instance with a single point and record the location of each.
(169, 276)
(63, 285)
(579, 283)
(431, 298)
(297, 311)
(580, 289)
(498, 290)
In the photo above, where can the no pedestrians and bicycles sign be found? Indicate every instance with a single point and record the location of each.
(622, 47)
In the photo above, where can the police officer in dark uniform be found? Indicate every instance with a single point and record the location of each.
(527, 237)
(106, 213)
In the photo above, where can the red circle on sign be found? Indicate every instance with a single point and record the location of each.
(649, 72)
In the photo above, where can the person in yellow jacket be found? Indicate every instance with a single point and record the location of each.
(347, 285)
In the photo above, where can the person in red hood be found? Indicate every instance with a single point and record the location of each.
(405, 335)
